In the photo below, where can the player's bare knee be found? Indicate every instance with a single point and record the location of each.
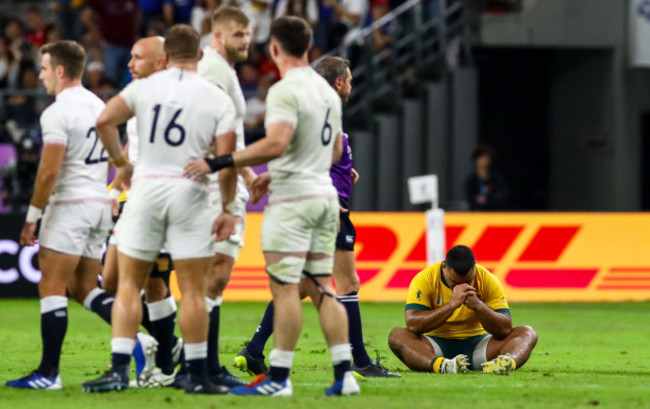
(529, 333)
(156, 290)
(396, 337)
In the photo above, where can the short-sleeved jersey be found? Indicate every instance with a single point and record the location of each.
(429, 290)
(214, 68)
(179, 114)
(306, 101)
(132, 137)
(70, 121)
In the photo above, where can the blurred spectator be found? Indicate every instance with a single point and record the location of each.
(315, 52)
(248, 78)
(106, 89)
(118, 21)
(36, 36)
(383, 37)
(68, 16)
(6, 61)
(18, 175)
(182, 10)
(52, 34)
(486, 189)
(348, 18)
(256, 109)
(306, 9)
(265, 65)
(154, 12)
(14, 32)
(22, 108)
(94, 76)
(201, 12)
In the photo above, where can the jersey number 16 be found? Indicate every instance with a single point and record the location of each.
(170, 127)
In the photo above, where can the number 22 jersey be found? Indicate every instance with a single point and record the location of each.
(70, 121)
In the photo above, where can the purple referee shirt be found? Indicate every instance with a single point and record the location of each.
(341, 172)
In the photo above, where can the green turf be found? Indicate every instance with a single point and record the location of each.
(588, 355)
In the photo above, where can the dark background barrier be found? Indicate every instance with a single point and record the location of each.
(19, 271)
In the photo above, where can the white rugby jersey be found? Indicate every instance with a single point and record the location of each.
(70, 121)
(179, 115)
(305, 100)
(132, 137)
(214, 68)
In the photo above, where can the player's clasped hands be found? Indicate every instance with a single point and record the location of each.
(461, 293)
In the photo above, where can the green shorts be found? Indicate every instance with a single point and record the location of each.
(474, 347)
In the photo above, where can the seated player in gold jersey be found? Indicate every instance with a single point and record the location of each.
(458, 319)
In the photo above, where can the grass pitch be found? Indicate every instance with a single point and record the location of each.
(588, 355)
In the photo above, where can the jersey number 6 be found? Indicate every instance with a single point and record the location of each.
(327, 128)
(172, 125)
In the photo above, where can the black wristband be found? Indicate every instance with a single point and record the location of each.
(220, 162)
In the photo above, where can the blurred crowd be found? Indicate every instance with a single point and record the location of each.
(108, 28)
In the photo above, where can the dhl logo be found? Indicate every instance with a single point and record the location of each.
(538, 257)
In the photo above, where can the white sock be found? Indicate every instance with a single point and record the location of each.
(122, 345)
(53, 303)
(340, 353)
(196, 351)
(161, 309)
(281, 359)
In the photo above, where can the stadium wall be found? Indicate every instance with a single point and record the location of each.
(558, 257)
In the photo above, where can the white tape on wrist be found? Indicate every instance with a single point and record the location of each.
(114, 194)
(33, 214)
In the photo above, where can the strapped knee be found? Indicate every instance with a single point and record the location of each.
(286, 271)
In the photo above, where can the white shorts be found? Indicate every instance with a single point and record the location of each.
(306, 225)
(76, 227)
(230, 246)
(168, 212)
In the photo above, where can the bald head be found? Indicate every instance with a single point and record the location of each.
(147, 57)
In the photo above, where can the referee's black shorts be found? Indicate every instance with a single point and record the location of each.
(347, 236)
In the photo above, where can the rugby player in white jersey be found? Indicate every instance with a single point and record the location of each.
(228, 45)
(180, 116)
(71, 181)
(159, 315)
(303, 125)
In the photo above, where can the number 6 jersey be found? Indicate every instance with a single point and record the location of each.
(179, 115)
(306, 101)
(70, 121)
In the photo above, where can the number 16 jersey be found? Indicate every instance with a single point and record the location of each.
(179, 115)
(70, 121)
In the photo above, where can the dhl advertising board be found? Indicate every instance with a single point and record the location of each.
(537, 256)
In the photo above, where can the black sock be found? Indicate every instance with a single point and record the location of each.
(351, 303)
(146, 323)
(102, 305)
(163, 331)
(278, 374)
(340, 369)
(120, 361)
(214, 365)
(54, 325)
(198, 368)
(263, 333)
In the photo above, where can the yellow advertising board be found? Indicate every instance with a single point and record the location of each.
(537, 256)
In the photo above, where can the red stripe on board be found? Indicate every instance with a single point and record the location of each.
(247, 286)
(549, 243)
(629, 269)
(544, 278)
(402, 278)
(626, 278)
(367, 274)
(495, 242)
(624, 287)
(419, 252)
(451, 235)
(377, 243)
